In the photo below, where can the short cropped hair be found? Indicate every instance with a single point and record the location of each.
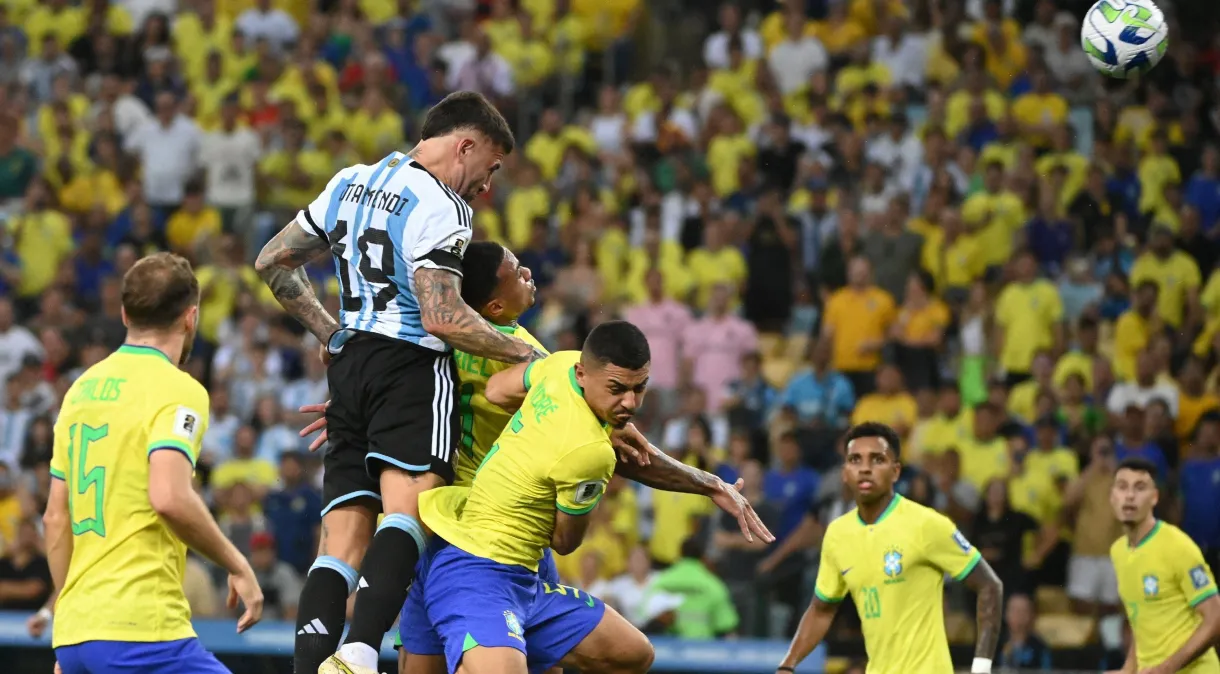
(468, 110)
(618, 343)
(481, 272)
(157, 290)
(1139, 465)
(873, 429)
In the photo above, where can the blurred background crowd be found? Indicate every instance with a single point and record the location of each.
(932, 214)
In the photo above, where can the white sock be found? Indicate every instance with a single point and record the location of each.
(361, 655)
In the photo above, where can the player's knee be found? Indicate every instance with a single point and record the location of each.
(638, 655)
(630, 655)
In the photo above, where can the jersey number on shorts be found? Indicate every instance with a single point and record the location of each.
(872, 602)
(375, 276)
(80, 436)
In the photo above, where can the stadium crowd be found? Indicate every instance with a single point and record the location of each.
(932, 214)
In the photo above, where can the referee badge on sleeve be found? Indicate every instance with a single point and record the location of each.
(1198, 577)
(186, 423)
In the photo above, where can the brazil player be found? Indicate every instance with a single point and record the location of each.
(534, 490)
(1166, 587)
(122, 509)
(891, 554)
(500, 289)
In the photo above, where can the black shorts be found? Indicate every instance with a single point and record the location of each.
(392, 404)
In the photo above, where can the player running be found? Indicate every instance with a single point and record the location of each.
(1169, 592)
(122, 508)
(892, 555)
(533, 490)
(501, 290)
(398, 230)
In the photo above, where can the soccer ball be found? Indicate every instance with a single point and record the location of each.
(1123, 37)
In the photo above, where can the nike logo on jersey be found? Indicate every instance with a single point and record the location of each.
(314, 626)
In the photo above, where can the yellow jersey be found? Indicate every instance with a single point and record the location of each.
(1027, 312)
(1176, 276)
(895, 571)
(555, 455)
(1161, 580)
(482, 422)
(119, 412)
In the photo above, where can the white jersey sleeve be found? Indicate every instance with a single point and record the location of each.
(313, 218)
(439, 239)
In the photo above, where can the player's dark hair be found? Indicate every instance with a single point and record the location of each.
(873, 429)
(468, 110)
(157, 290)
(480, 272)
(1139, 465)
(618, 343)
(693, 547)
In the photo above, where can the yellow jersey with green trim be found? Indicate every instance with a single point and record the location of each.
(125, 576)
(554, 455)
(1161, 580)
(482, 422)
(895, 571)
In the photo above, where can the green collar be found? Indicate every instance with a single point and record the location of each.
(1148, 536)
(575, 385)
(506, 329)
(885, 513)
(137, 350)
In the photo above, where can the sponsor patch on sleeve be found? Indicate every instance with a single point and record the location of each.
(588, 492)
(186, 423)
(961, 541)
(1198, 577)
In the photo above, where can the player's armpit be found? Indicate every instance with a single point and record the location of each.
(986, 584)
(445, 315)
(569, 532)
(280, 265)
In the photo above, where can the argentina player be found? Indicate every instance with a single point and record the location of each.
(398, 230)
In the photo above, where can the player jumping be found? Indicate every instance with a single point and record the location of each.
(501, 289)
(122, 508)
(892, 555)
(1169, 592)
(534, 490)
(398, 230)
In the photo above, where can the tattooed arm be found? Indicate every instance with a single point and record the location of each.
(983, 581)
(281, 266)
(446, 316)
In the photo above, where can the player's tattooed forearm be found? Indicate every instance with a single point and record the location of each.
(447, 316)
(668, 474)
(279, 264)
(990, 602)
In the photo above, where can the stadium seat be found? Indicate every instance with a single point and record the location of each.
(777, 370)
(1052, 600)
(1065, 631)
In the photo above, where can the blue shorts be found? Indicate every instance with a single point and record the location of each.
(470, 601)
(184, 656)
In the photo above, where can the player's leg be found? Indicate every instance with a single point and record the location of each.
(574, 629)
(348, 520)
(422, 651)
(413, 433)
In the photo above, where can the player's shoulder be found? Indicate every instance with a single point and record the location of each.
(1117, 547)
(1174, 540)
(182, 388)
(433, 194)
(520, 332)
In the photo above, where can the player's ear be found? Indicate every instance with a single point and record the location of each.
(123, 315)
(192, 318)
(580, 373)
(465, 146)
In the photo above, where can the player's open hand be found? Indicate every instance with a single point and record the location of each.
(318, 424)
(245, 587)
(631, 445)
(729, 499)
(37, 624)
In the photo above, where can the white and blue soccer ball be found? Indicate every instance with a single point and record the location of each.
(1123, 37)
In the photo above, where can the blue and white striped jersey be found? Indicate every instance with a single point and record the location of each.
(383, 222)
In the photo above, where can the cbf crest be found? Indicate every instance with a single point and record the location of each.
(892, 565)
(1151, 586)
(514, 626)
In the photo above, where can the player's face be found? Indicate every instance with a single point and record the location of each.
(1133, 496)
(480, 159)
(613, 393)
(870, 468)
(515, 293)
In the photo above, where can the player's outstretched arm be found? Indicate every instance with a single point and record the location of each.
(445, 315)
(661, 471)
(172, 495)
(1204, 637)
(506, 388)
(986, 584)
(281, 266)
(812, 629)
(58, 527)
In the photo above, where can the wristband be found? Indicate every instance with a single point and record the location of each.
(44, 613)
(981, 666)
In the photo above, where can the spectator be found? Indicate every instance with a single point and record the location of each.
(201, 595)
(893, 250)
(1091, 583)
(1135, 328)
(257, 474)
(274, 437)
(707, 609)
(819, 396)
(228, 156)
(25, 577)
(170, 141)
(1021, 648)
(749, 398)
(799, 55)
(294, 513)
(16, 341)
(264, 22)
(951, 424)
(1176, 276)
(712, 347)
(788, 485)
(280, 583)
(919, 331)
(856, 324)
(1028, 312)
(984, 452)
(240, 518)
(628, 593)
(999, 533)
(192, 225)
(1134, 441)
(1143, 389)
(664, 322)
(891, 404)
(716, 47)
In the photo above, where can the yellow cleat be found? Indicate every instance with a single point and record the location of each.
(335, 664)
